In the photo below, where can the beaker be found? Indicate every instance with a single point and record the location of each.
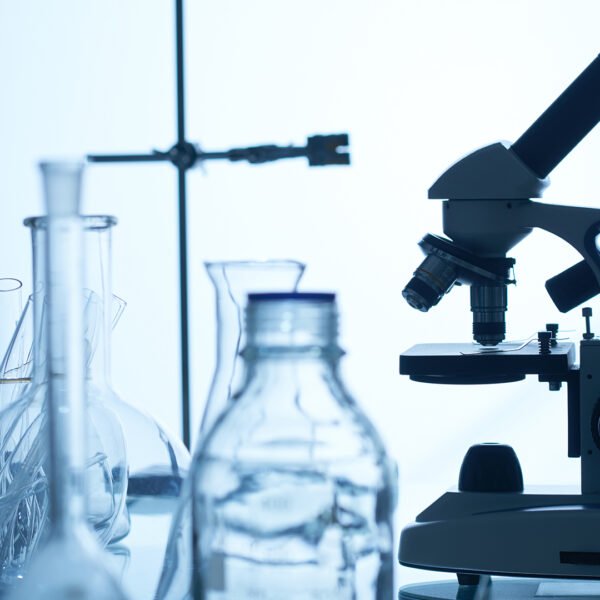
(232, 281)
(70, 564)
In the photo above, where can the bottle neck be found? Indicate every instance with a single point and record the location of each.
(291, 343)
(284, 327)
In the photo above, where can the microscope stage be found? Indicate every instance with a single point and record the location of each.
(469, 363)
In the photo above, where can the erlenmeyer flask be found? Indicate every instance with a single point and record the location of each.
(232, 281)
(71, 564)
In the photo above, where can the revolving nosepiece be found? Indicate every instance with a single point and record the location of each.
(446, 264)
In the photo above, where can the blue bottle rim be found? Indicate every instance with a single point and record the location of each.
(294, 296)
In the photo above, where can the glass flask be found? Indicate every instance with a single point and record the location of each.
(23, 453)
(14, 334)
(158, 461)
(293, 490)
(232, 281)
(70, 565)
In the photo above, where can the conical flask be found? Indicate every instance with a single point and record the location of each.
(71, 563)
(23, 453)
(232, 281)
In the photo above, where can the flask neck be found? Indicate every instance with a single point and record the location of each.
(100, 308)
(232, 280)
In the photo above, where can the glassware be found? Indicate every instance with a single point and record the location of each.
(23, 452)
(14, 334)
(293, 489)
(232, 280)
(11, 304)
(70, 565)
(158, 461)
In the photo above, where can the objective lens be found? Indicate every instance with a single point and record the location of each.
(489, 303)
(434, 277)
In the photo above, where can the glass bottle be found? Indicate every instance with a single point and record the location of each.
(23, 452)
(70, 565)
(293, 490)
(232, 281)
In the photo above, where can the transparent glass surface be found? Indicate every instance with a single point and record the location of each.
(24, 501)
(15, 340)
(158, 460)
(232, 281)
(70, 565)
(293, 489)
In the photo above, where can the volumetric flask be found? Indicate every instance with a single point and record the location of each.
(232, 281)
(158, 461)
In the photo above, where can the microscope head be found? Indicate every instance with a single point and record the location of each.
(487, 210)
(479, 193)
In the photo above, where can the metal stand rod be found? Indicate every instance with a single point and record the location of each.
(320, 150)
(182, 208)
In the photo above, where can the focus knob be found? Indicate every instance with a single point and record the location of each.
(490, 468)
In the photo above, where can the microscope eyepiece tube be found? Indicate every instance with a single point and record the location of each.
(434, 277)
(563, 125)
(488, 304)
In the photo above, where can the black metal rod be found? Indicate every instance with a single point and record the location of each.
(184, 321)
(182, 210)
(563, 125)
(112, 158)
(180, 72)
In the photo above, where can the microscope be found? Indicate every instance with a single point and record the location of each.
(491, 523)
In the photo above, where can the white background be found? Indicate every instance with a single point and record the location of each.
(416, 83)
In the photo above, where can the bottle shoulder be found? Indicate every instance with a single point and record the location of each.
(299, 427)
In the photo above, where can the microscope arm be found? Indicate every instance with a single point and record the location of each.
(579, 227)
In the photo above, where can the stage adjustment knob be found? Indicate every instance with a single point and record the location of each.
(490, 468)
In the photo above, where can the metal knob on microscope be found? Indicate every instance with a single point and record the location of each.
(544, 341)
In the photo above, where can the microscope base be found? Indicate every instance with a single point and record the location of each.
(540, 532)
(502, 589)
